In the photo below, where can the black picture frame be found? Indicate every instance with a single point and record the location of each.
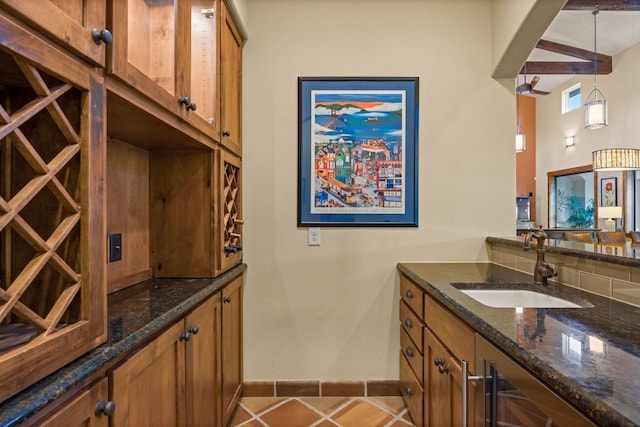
(357, 151)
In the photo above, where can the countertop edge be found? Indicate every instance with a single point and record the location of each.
(75, 373)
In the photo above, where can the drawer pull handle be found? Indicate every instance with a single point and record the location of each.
(407, 389)
(409, 294)
(101, 36)
(105, 408)
(408, 323)
(409, 352)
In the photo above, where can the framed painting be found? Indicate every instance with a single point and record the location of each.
(357, 151)
(609, 192)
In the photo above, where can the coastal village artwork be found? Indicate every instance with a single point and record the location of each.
(358, 139)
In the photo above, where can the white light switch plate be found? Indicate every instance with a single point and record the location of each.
(314, 236)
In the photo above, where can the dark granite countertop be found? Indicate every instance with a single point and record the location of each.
(135, 315)
(591, 356)
(616, 253)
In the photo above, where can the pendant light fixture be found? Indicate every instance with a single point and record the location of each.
(595, 107)
(521, 137)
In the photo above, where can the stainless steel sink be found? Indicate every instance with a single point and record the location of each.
(517, 298)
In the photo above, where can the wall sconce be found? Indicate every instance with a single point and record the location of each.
(570, 141)
(610, 212)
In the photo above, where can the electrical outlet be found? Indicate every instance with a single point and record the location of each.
(314, 236)
(115, 247)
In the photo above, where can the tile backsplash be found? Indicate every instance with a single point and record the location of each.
(617, 282)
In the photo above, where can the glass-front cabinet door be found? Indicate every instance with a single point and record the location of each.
(204, 64)
(167, 50)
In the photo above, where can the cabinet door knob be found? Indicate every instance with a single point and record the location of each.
(226, 133)
(105, 408)
(409, 294)
(438, 361)
(194, 330)
(409, 352)
(184, 100)
(408, 323)
(185, 337)
(443, 369)
(226, 299)
(101, 36)
(192, 106)
(407, 389)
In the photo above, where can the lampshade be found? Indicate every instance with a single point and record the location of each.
(616, 159)
(521, 142)
(521, 137)
(610, 212)
(595, 112)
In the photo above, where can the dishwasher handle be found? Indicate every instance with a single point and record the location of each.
(465, 390)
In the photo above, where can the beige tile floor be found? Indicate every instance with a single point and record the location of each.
(379, 411)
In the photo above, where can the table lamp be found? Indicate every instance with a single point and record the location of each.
(610, 212)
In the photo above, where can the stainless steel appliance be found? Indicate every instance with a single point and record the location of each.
(508, 395)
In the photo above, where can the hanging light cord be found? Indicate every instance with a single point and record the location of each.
(595, 51)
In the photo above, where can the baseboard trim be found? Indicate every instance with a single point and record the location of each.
(294, 388)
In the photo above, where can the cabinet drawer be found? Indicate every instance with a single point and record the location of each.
(413, 354)
(456, 336)
(412, 294)
(412, 392)
(412, 324)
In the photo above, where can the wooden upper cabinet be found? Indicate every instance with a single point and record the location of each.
(52, 161)
(230, 83)
(167, 50)
(75, 24)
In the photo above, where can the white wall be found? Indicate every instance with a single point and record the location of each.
(331, 312)
(621, 88)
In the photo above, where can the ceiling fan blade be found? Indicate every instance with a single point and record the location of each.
(524, 87)
(534, 81)
(539, 92)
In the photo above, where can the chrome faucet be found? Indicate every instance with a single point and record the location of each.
(543, 270)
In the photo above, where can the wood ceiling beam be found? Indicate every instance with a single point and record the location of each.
(609, 5)
(574, 52)
(605, 62)
(560, 67)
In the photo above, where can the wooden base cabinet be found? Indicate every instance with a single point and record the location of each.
(433, 342)
(174, 380)
(447, 341)
(89, 408)
(411, 349)
(231, 347)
